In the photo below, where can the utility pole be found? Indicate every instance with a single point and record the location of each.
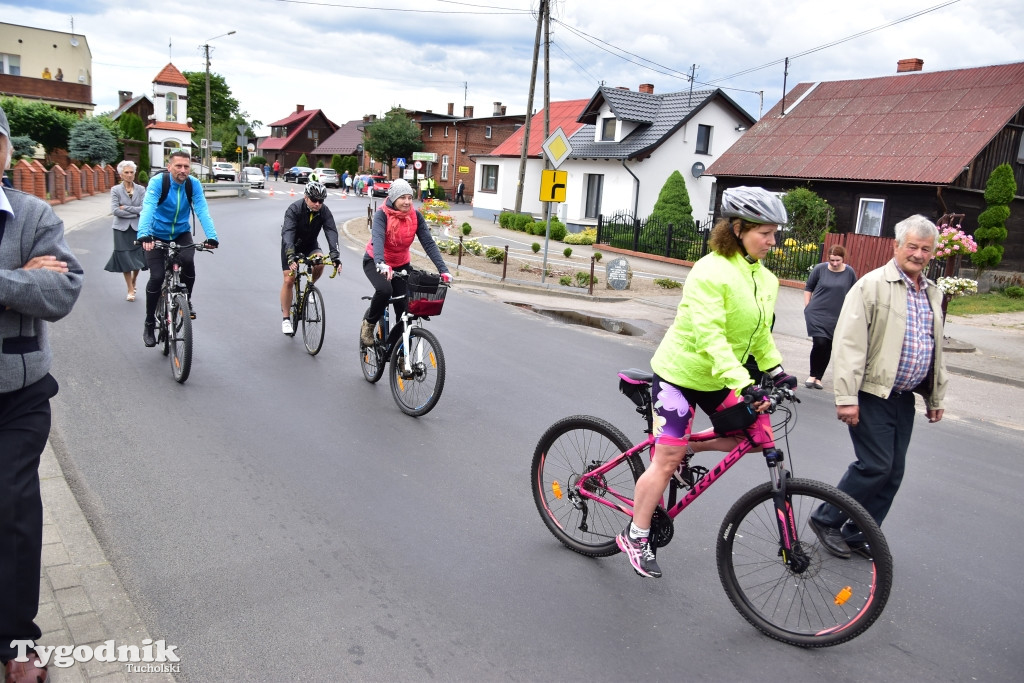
(529, 110)
(547, 131)
(208, 155)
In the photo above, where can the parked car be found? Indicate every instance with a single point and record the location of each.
(381, 185)
(329, 177)
(253, 176)
(223, 170)
(297, 174)
(199, 170)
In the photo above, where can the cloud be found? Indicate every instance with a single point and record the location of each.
(350, 62)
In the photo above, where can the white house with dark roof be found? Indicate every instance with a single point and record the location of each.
(625, 145)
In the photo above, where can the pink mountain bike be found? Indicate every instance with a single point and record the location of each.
(771, 564)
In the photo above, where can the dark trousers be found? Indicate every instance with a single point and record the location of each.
(155, 260)
(459, 199)
(880, 442)
(383, 290)
(24, 428)
(821, 353)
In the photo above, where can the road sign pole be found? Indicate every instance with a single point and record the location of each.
(547, 235)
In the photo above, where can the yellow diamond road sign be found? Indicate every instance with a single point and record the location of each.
(557, 148)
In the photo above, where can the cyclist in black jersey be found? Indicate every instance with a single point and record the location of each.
(303, 222)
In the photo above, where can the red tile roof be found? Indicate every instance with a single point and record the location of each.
(914, 127)
(563, 114)
(170, 75)
(296, 122)
(168, 125)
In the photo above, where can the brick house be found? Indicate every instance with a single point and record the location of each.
(296, 134)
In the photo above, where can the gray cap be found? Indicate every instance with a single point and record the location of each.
(4, 128)
(398, 188)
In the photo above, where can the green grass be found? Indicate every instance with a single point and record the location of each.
(981, 304)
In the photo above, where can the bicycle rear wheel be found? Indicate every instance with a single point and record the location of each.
(314, 319)
(825, 602)
(371, 358)
(179, 335)
(418, 391)
(569, 449)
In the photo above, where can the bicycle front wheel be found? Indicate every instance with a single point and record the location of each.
(371, 358)
(162, 324)
(314, 318)
(570, 448)
(179, 335)
(817, 599)
(417, 388)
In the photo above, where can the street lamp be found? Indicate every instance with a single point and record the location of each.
(208, 155)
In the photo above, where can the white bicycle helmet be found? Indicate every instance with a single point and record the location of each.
(754, 204)
(316, 191)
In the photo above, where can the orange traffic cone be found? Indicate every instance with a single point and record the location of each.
(271, 192)
(292, 193)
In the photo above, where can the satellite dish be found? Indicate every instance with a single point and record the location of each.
(74, 42)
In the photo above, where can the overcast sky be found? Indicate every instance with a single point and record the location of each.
(356, 57)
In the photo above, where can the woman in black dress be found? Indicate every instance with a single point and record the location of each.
(823, 299)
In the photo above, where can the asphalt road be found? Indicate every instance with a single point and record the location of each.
(278, 518)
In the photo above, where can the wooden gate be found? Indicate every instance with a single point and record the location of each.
(864, 253)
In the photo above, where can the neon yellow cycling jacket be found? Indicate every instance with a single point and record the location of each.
(725, 315)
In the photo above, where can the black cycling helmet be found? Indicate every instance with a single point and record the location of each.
(316, 191)
(754, 204)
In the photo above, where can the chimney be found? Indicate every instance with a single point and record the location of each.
(913, 64)
(300, 108)
(503, 110)
(123, 96)
(451, 109)
(647, 88)
(621, 87)
(373, 117)
(430, 111)
(497, 109)
(467, 111)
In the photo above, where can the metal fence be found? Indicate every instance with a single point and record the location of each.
(789, 260)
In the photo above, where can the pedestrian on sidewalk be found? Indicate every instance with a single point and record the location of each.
(888, 346)
(459, 198)
(824, 292)
(36, 290)
(277, 170)
(126, 205)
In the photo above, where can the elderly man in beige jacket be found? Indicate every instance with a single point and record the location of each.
(887, 347)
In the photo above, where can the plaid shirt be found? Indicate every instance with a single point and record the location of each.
(918, 342)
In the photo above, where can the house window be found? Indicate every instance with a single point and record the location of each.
(430, 131)
(444, 167)
(170, 146)
(595, 185)
(869, 216)
(703, 139)
(446, 131)
(608, 129)
(487, 132)
(488, 178)
(10, 64)
(171, 99)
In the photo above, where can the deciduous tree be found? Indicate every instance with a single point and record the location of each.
(395, 135)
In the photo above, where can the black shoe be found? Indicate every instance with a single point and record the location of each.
(831, 539)
(148, 338)
(191, 311)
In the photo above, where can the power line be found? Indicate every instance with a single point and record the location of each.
(345, 5)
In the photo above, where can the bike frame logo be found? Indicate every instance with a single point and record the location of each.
(151, 657)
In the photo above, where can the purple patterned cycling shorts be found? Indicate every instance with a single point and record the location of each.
(674, 409)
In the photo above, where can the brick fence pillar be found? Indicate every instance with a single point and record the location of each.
(59, 186)
(76, 181)
(90, 179)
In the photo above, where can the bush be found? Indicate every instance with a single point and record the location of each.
(668, 283)
(1014, 292)
(142, 178)
(810, 216)
(584, 279)
(999, 192)
(505, 219)
(565, 281)
(567, 252)
(597, 256)
(495, 254)
(588, 236)
(466, 228)
(303, 161)
(558, 229)
(535, 246)
(257, 161)
(521, 221)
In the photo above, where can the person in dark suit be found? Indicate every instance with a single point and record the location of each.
(126, 205)
(459, 198)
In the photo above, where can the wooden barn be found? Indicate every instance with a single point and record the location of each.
(881, 149)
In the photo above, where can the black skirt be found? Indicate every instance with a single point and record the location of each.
(127, 255)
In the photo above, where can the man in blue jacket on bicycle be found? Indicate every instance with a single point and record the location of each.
(170, 198)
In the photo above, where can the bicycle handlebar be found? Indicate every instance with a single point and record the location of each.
(161, 244)
(319, 260)
(776, 394)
